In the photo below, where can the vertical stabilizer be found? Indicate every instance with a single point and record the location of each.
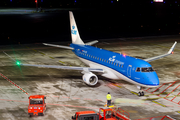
(74, 31)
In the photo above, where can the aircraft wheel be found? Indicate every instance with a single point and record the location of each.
(142, 93)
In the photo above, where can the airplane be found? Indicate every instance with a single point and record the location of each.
(109, 64)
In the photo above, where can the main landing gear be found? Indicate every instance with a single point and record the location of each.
(140, 93)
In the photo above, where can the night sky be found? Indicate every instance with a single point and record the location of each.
(101, 19)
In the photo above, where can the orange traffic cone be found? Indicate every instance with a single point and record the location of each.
(105, 104)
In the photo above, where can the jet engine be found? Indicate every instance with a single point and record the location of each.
(90, 79)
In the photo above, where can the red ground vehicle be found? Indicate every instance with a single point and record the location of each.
(37, 105)
(104, 114)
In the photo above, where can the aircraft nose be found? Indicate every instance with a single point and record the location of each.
(153, 79)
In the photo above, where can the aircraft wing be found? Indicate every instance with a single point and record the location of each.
(66, 67)
(59, 46)
(86, 69)
(161, 56)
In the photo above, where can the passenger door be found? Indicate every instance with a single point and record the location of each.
(129, 70)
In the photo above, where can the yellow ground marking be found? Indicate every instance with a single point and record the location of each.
(51, 57)
(34, 50)
(61, 62)
(134, 92)
(164, 93)
(161, 97)
(42, 53)
(158, 103)
(116, 85)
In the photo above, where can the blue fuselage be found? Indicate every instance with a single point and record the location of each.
(137, 70)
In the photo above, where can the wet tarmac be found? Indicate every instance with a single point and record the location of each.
(66, 93)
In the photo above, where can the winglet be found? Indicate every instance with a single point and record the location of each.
(172, 48)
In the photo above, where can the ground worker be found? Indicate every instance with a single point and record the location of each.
(108, 96)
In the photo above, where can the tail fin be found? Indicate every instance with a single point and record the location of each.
(74, 31)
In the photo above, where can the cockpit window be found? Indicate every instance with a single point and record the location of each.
(138, 69)
(149, 69)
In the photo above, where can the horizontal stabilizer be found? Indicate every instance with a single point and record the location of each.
(91, 43)
(60, 46)
(161, 56)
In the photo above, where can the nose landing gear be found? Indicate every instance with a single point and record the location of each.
(140, 93)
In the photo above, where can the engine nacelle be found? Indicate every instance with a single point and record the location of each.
(90, 79)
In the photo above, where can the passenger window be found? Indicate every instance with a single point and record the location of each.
(100, 59)
(138, 69)
(89, 55)
(114, 63)
(104, 60)
(107, 61)
(122, 66)
(119, 65)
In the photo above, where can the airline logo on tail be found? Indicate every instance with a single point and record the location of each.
(73, 31)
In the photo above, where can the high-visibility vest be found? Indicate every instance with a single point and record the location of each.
(108, 96)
